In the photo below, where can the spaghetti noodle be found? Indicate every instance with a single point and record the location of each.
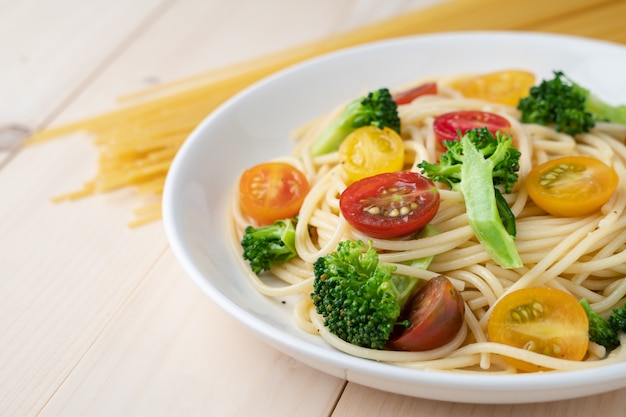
(582, 256)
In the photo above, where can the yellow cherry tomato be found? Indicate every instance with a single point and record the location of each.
(571, 186)
(370, 150)
(541, 320)
(505, 87)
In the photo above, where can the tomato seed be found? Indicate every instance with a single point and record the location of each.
(393, 213)
(530, 346)
(527, 312)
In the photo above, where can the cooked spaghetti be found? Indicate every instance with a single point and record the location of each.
(583, 256)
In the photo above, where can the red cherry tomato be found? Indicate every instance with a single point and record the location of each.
(447, 125)
(272, 191)
(435, 314)
(390, 205)
(405, 97)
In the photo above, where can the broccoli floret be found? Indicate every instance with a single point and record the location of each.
(600, 329)
(360, 298)
(497, 148)
(474, 166)
(377, 108)
(617, 320)
(267, 245)
(569, 107)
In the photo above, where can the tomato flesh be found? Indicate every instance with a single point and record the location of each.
(390, 205)
(571, 186)
(505, 87)
(370, 150)
(435, 314)
(447, 125)
(272, 191)
(541, 320)
(407, 96)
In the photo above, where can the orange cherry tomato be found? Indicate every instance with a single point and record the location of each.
(272, 191)
(370, 150)
(435, 315)
(505, 87)
(571, 186)
(541, 320)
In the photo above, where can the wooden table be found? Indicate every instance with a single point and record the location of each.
(98, 319)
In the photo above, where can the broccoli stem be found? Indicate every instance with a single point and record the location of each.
(482, 211)
(377, 108)
(335, 133)
(601, 110)
(424, 263)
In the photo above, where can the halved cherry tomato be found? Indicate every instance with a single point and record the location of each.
(505, 87)
(435, 315)
(447, 125)
(272, 191)
(390, 205)
(541, 320)
(407, 96)
(370, 150)
(571, 186)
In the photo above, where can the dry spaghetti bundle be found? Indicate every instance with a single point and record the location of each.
(138, 142)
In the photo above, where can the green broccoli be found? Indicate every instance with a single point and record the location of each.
(474, 166)
(600, 329)
(567, 106)
(602, 111)
(377, 108)
(617, 320)
(360, 298)
(271, 244)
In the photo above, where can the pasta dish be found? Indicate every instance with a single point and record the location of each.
(576, 247)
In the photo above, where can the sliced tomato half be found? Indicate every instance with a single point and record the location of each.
(572, 185)
(390, 205)
(447, 125)
(407, 96)
(435, 316)
(271, 191)
(506, 87)
(540, 320)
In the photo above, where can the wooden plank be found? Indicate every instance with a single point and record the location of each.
(42, 67)
(66, 269)
(171, 352)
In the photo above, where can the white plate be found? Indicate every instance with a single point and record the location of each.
(255, 126)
